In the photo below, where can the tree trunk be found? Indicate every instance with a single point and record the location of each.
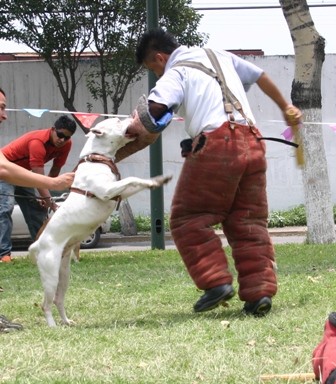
(306, 94)
(319, 210)
(127, 222)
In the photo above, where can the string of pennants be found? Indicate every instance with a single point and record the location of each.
(288, 133)
(87, 118)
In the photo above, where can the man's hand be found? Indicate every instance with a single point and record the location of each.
(48, 203)
(293, 118)
(62, 181)
(292, 115)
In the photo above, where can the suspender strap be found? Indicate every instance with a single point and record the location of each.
(230, 98)
(197, 65)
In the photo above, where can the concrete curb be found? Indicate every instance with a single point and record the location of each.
(119, 242)
(145, 237)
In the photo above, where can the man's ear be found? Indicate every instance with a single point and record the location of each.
(159, 57)
(162, 57)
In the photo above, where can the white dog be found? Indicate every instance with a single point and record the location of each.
(93, 196)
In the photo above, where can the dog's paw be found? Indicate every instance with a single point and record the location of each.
(68, 323)
(167, 178)
(158, 181)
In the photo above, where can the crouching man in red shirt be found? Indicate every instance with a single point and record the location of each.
(31, 151)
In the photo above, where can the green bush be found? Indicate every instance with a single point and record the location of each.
(276, 220)
(293, 217)
(290, 218)
(143, 223)
(115, 224)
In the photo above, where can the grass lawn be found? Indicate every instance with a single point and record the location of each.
(135, 324)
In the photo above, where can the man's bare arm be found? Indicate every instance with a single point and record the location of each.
(17, 175)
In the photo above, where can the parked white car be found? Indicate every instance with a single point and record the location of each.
(21, 233)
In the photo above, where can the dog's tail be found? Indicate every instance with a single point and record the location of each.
(33, 252)
(33, 247)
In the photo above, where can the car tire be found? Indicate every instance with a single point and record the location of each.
(91, 241)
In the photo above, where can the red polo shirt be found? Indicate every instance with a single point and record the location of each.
(34, 149)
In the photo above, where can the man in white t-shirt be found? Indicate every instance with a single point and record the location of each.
(223, 179)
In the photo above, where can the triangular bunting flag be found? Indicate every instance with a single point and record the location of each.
(87, 119)
(288, 134)
(36, 112)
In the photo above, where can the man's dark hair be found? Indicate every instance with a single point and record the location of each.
(64, 122)
(2, 91)
(155, 40)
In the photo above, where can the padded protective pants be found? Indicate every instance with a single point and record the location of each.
(223, 180)
(324, 354)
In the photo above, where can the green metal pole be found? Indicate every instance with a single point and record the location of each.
(155, 152)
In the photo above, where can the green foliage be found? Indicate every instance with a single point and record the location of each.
(58, 29)
(143, 223)
(292, 217)
(116, 29)
(115, 224)
(55, 30)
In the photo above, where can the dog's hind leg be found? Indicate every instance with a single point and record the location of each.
(63, 283)
(48, 264)
(75, 254)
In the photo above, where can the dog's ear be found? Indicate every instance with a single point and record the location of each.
(97, 131)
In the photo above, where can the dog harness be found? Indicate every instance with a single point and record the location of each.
(97, 158)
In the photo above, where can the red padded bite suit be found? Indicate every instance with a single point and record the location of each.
(223, 180)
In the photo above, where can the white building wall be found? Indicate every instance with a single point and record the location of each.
(31, 85)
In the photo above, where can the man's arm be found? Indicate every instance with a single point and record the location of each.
(37, 153)
(270, 89)
(17, 175)
(54, 171)
(44, 192)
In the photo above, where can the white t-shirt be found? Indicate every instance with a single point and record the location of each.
(197, 96)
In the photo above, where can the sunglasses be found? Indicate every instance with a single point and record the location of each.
(61, 135)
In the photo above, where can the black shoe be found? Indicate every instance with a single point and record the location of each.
(213, 297)
(258, 308)
(7, 326)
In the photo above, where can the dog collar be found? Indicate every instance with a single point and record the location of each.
(97, 158)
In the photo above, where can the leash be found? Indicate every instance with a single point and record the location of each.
(186, 144)
(283, 141)
(25, 197)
